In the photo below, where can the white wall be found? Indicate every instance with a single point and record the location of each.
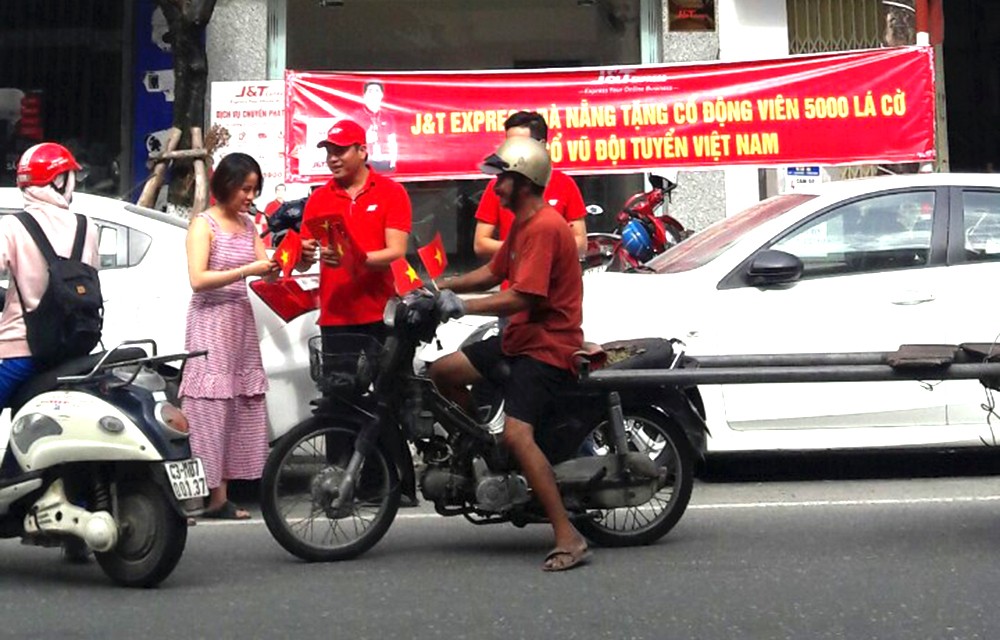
(749, 30)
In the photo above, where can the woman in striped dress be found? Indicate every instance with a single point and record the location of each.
(222, 394)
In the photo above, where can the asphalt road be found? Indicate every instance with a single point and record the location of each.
(762, 557)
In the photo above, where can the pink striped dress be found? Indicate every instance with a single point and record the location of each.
(222, 395)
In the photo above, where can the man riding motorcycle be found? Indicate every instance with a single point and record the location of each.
(543, 306)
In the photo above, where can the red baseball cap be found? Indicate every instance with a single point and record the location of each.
(344, 133)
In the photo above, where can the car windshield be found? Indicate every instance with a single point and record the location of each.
(708, 244)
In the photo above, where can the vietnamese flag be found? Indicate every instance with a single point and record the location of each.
(404, 276)
(321, 229)
(434, 257)
(289, 252)
(352, 255)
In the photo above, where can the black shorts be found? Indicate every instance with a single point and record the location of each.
(530, 387)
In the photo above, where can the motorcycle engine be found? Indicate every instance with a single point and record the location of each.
(498, 492)
(441, 486)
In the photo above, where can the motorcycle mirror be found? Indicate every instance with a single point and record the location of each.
(594, 209)
(667, 178)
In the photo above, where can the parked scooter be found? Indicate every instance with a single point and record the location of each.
(330, 488)
(640, 232)
(286, 217)
(98, 455)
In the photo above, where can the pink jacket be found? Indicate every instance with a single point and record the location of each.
(23, 261)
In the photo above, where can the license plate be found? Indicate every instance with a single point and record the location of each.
(187, 478)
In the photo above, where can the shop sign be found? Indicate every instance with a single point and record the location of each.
(860, 107)
(250, 118)
(691, 15)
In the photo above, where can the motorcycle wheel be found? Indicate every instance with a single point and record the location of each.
(295, 494)
(674, 236)
(666, 444)
(151, 536)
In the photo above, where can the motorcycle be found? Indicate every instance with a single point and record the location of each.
(640, 233)
(286, 217)
(330, 489)
(98, 460)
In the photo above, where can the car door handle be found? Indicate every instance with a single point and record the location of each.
(914, 298)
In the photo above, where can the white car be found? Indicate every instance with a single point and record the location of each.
(143, 268)
(881, 262)
(884, 262)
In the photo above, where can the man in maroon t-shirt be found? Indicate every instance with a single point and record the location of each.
(493, 219)
(544, 308)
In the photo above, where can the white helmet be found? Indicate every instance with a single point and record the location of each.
(522, 155)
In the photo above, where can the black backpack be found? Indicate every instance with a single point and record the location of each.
(68, 320)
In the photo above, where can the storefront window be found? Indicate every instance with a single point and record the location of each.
(61, 80)
(425, 35)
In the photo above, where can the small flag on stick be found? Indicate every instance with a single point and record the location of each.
(434, 257)
(404, 276)
(289, 252)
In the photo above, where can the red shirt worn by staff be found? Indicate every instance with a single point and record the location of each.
(381, 204)
(561, 193)
(539, 259)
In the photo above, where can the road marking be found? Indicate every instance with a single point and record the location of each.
(844, 503)
(426, 515)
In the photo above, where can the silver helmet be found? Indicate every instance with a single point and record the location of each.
(522, 155)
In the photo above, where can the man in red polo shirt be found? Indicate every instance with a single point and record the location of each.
(544, 306)
(377, 213)
(376, 210)
(493, 219)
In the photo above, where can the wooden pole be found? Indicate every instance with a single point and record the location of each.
(200, 175)
(155, 181)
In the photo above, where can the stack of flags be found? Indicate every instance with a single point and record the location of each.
(332, 231)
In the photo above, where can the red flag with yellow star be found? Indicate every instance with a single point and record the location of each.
(434, 257)
(404, 276)
(289, 252)
(351, 255)
(321, 229)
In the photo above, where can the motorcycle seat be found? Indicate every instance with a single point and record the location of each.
(48, 379)
(589, 357)
(642, 353)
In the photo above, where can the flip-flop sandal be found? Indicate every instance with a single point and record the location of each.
(576, 558)
(228, 511)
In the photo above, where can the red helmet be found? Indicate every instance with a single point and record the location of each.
(40, 164)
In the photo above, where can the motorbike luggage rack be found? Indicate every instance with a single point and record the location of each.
(910, 362)
(103, 363)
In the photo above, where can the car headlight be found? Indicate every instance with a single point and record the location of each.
(389, 314)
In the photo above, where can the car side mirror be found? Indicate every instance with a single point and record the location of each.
(773, 267)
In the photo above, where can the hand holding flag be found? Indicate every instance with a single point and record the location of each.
(351, 254)
(434, 257)
(404, 276)
(321, 229)
(289, 252)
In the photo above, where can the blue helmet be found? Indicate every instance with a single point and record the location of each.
(636, 240)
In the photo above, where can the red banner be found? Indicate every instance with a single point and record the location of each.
(873, 106)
